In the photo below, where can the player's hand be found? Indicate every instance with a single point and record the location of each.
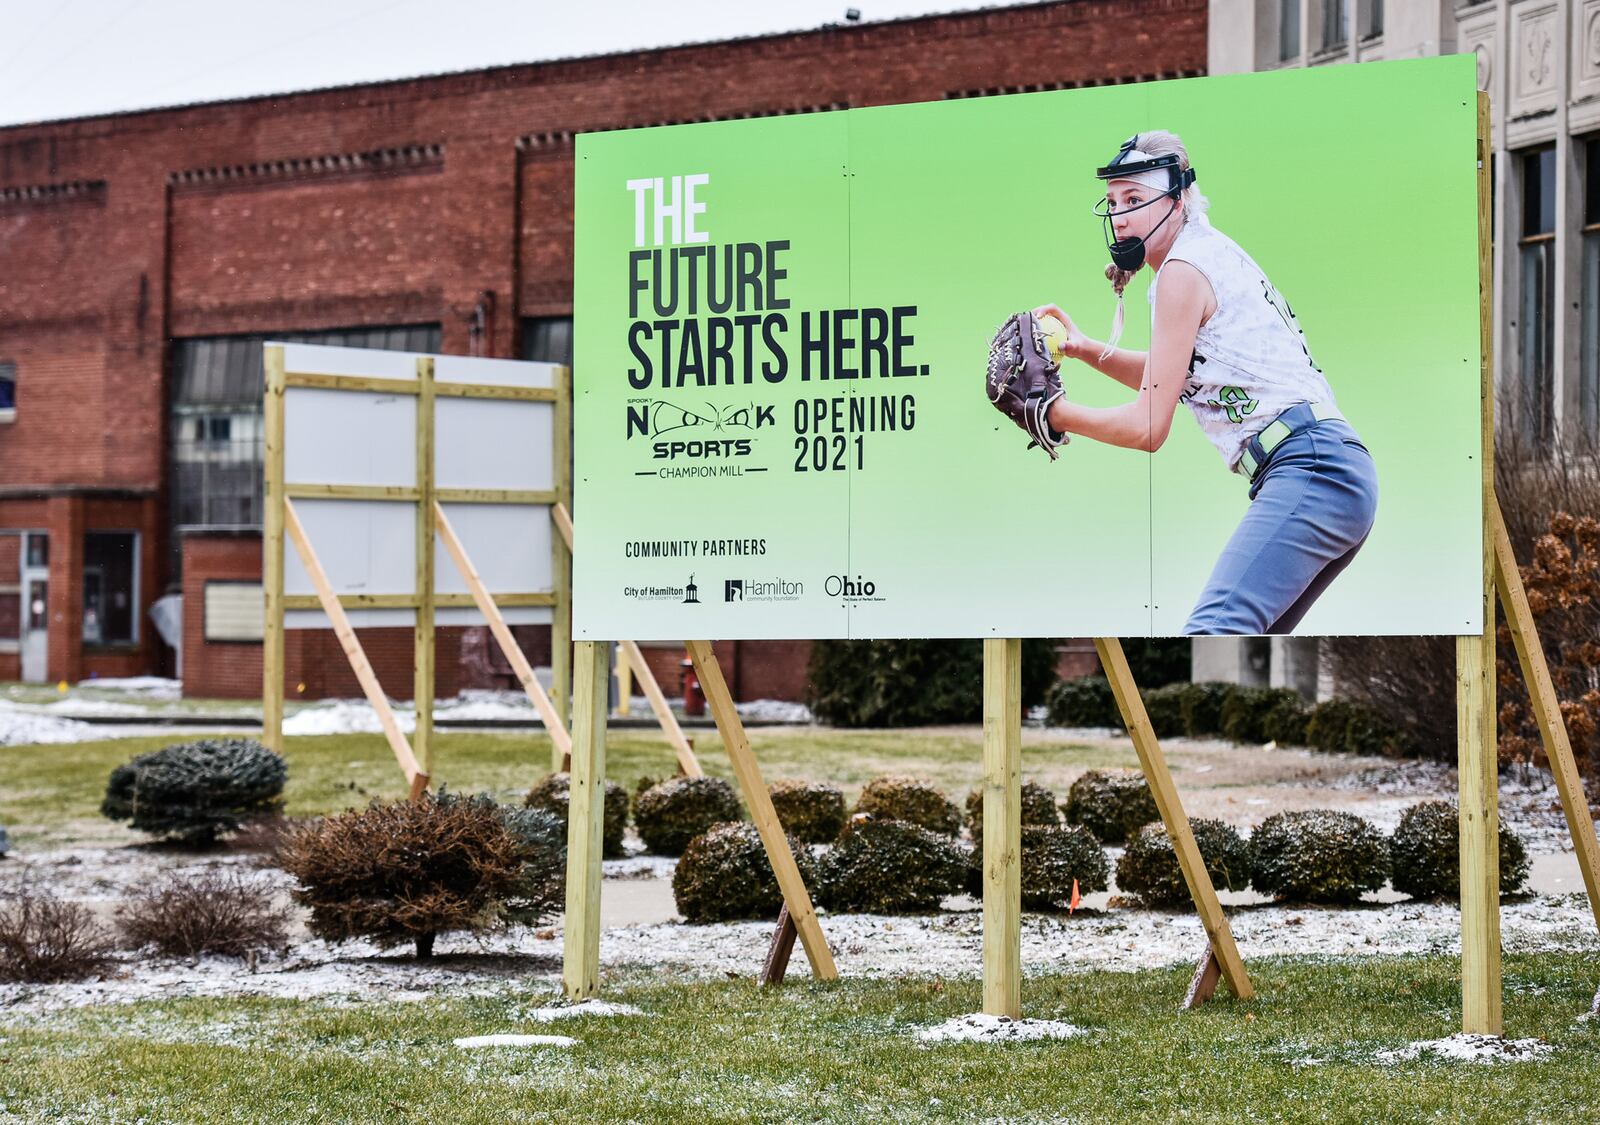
(1076, 344)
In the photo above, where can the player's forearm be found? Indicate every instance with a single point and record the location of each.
(1130, 425)
(1123, 364)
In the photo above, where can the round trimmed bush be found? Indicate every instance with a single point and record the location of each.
(197, 791)
(1085, 701)
(1318, 855)
(1164, 705)
(540, 890)
(670, 814)
(890, 867)
(1038, 807)
(1149, 868)
(1285, 721)
(1246, 712)
(1111, 804)
(813, 811)
(724, 874)
(1426, 853)
(1053, 857)
(553, 793)
(913, 800)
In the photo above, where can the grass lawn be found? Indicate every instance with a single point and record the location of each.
(840, 1052)
(51, 793)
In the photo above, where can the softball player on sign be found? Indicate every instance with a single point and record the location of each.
(1225, 344)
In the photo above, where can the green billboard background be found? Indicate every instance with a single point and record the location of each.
(1353, 187)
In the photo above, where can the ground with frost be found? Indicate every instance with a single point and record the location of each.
(981, 1028)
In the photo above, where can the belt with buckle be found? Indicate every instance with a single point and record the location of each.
(1299, 417)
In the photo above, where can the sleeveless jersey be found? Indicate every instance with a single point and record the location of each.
(1250, 360)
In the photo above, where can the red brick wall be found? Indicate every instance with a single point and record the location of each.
(410, 202)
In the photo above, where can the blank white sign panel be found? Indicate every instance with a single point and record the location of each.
(349, 437)
(509, 544)
(365, 547)
(492, 443)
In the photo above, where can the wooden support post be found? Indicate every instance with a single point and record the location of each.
(778, 953)
(561, 549)
(759, 802)
(687, 762)
(272, 555)
(580, 966)
(1477, 750)
(422, 631)
(508, 644)
(354, 654)
(1002, 827)
(1547, 710)
(624, 682)
(1154, 764)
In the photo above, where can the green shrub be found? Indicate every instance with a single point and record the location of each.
(1111, 804)
(911, 799)
(196, 791)
(889, 867)
(1052, 858)
(899, 683)
(1164, 705)
(1246, 712)
(1285, 720)
(409, 870)
(1426, 853)
(812, 811)
(1082, 702)
(1344, 726)
(670, 814)
(1202, 709)
(1038, 807)
(1149, 868)
(553, 793)
(1318, 855)
(724, 874)
(1328, 725)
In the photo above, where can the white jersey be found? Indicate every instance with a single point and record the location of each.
(1250, 360)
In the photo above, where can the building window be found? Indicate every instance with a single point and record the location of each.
(1288, 29)
(1334, 22)
(215, 422)
(110, 588)
(1373, 27)
(547, 339)
(10, 590)
(8, 392)
(1534, 405)
(233, 612)
(1589, 365)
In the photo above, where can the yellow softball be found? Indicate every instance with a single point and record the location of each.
(1055, 335)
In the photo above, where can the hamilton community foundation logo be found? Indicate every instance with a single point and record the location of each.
(762, 590)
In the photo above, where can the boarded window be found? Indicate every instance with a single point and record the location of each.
(233, 611)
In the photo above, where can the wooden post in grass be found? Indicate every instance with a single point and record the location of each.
(422, 630)
(272, 559)
(561, 556)
(1154, 764)
(759, 802)
(1477, 752)
(1002, 827)
(580, 971)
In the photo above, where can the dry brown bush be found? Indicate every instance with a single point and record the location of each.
(208, 912)
(406, 871)
(44, 938)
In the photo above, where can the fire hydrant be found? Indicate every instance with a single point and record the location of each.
(694, 700)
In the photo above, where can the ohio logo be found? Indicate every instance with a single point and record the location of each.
(857, 589)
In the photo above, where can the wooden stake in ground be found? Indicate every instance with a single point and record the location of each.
(422, 631)
(353, 653)
(1477, 753)
(580, 966)
(759, 802)
(777, 963)
(272, 560)
(1159, 777)
(1002, 827)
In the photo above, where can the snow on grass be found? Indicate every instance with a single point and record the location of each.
(345, 716)
(21, 726)
(471, 1041)
(602, 1008)
(981, 1028)
(152, 687)
(1471, 1049)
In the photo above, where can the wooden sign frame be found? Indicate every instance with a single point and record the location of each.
(1002, 776)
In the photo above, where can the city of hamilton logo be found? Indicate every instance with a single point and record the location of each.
(691, 593)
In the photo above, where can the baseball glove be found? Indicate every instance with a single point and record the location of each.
(1024, 379)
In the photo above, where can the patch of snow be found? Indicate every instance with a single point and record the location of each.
(153, 687)
(774, 711)
(585, 1008)
(344, 716)
(639, 867)
(22, 727)
(981, 1028)
(516, 1041)
(481, 704)
(1470, 1048)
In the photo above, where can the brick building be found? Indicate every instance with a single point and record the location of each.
(147, 254)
